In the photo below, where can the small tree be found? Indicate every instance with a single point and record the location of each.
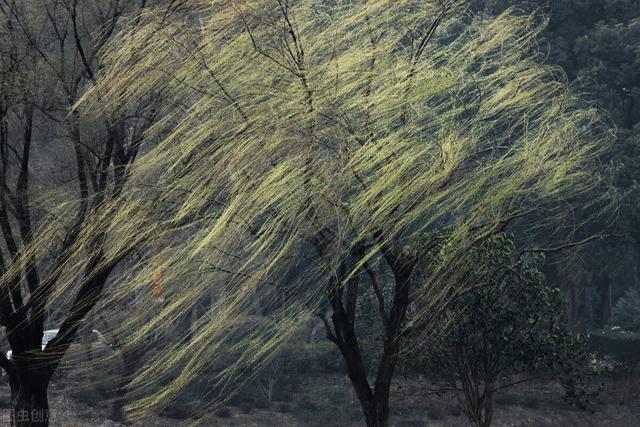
(504, 330)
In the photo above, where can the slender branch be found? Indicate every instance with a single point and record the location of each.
(379, 296)
(574, 244)
(76, 36)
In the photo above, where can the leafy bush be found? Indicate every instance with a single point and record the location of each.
(503, 326)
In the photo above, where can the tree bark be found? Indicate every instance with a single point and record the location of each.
(29, 402)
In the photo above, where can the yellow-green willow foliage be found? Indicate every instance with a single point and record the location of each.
(285, 123)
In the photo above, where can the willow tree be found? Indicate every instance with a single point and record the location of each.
(50, 155)
(301, 142)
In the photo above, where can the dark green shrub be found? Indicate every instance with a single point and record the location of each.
(505, 316)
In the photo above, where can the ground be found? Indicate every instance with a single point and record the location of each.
(328, 401)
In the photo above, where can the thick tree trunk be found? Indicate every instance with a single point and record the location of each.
(377, 415)
(374, 403)
(29, 401)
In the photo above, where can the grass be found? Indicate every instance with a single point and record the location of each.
(310, 411)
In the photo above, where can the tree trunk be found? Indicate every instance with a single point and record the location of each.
(29, 402)
(378, 414)
(375, 402)
(375, 407)
(484, 413)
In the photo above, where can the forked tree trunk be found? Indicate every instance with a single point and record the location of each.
(375, 405)
(376, 414)
(374, 400)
